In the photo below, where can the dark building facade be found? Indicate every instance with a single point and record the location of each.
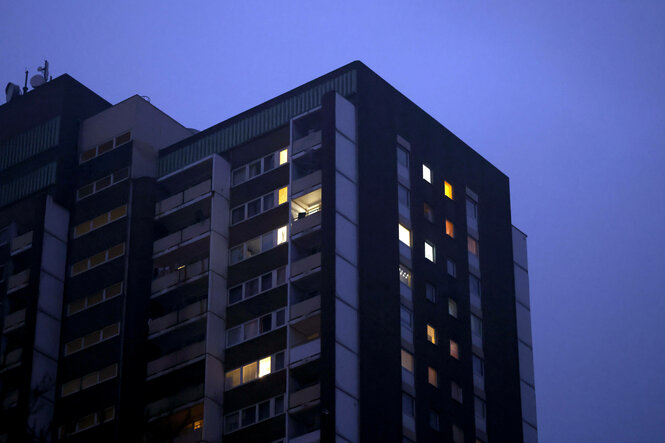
(332, 265)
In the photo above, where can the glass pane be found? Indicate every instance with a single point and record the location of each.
(254, 208)
(269, 162)
(102, 183)
(235, 294)
(249, 372)
(403, 195)
(253, 247)
(76, 306)
(98, 259)
(407, 361)
(279, 404)
(267, 241)
(116, 251)
(118, 212)
(232, 378)
(279, 361)
(105, 147)
(120, 175)
(89, 154)
(407, 405)
(238, 215)
(81, 229)
(113, 290)
(281, 276)
(280, 317)
(266, 281)
(266, 323)
(111, 330)
(404, 235)
(85, 191)
(405, 316)
(124, 138)
(264, 366)
(254, 169)
(402, 156)
(234, 336)
(232, 422)
(252, 288)
(100, 221)
(95, 298)
(251, 329)
(264, 410)
(239, 175)
(236, 254)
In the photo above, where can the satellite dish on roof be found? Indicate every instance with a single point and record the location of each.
(37, 80)
(11, 91)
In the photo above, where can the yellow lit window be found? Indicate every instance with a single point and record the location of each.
(432, 377)
(404, 235)
(407, 360)
(198, 424)
(283, 156)
(281, 235)
(233, 378)
(472, 245)
(448, 190)
(431, 334)
(454, 349)
(264, 366)
(249, 372)
(283, 195)
(427, 174)
(450, 229)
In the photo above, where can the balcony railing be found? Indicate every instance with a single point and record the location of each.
(175, 358)
(180, 275)
(183, 397)
(306, 351)
(306, 307)
(183, 197)
(306, 265)
(176, 317)
(306, 182)
(12, 357)
(188, 233)
(14, 320)
(310, 437)
(305, 142)
(305, 223)
(21, 243)
(18, 281)
(305, 397)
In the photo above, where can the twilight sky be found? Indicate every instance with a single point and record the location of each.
(565, 97)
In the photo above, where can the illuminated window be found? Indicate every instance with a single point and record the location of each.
(407, 360)
(456, 391)
(264, 366)
(198, 424)
(454, 349)
(404, 276)
(283, 195)
(432, 377)
(450, 229)
(452, 308)
(281, 235)
(283, 156)
(249, 372)
(472, 244)
(431, 334)
(430, 252)
(427, 174)
(451, 268)
(404, 235)
(430, 292)
(448, 190)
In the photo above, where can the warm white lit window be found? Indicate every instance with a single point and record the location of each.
(452, 308)
(430, 252)
(450, 229)
(472, 244)
(283, 156)
(448, 190)
(249, 372)
(404, 235)
(454, 349)
(407, 360)
(427, 174)
(281, 235)
(264, 366)
(431, 334)
(404, 276)
(432, 377)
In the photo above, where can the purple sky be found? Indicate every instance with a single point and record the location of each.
(566, 97)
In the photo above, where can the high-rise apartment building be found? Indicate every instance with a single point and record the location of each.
(331, 265)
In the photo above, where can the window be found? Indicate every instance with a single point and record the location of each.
(255, 169)
(268, 162)
(283, 156)
(431, 334)
(105, 147)
(408, 407)
(257, 245)
(479, 407)
(456, 392)
(231, 422)
(97, 259)
(255, 327)
(249, 372)
(402, 157)
(448, 190)
(102, 183)
(237, 215)
(454, 349)
(430, 252)
(281, 235)
(86, 302)
(471, 209)
(264, 366)
(474, 286)
(258, 167)
(404, 275)
(404, 235)
(427, 174)
(254, 370)
(478, 365)
(451, 268)
(428, 213)
(407, 360)
(283, 195)
(89, 380)
(406, 316)
(476, 326)
(458, 434)
(450, 229)
(452, 308)
(433, 420)
(430, 292)
(253, 414)
(432, 377)
(254, 207)
(472, 244)
(99, 221)
(92, 338)
(403, 196)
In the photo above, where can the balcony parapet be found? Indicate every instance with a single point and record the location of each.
(306, 182)
(14, 320)
(305, 307)
(177, 317)
(305, 397)
(173, 240)
(305, 352)
(18, 281)
(21, 243)
(174, 359)
(310, 437)
(182, 198)
(308, 141)
(306, 223)
(167, 404)
(306, 265)
(178, 276)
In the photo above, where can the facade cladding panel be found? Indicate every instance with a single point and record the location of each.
(263, 292)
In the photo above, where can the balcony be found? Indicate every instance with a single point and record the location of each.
(303, 353)
(21, 243)
(310, 437)
(12, 358)
(180, 275)
(305, 224)
(183, 397)
(18, 281)
(306, 182)
(174, 240)
(182, 198)
(306, 265)
(177, 358)
(308, 141)
(305, 397)
(304, 308)
(14, 320)
(177, 317)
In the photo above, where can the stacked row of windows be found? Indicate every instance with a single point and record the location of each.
(257, 285)
(254, 414)
(98, 259)
(92, 338)
(105, 147)
(255, 327)
(259, 205)
(102, 183)
(88, 421)
(89, 380)
(259, 167)
(254, 370)
(257, 245)
(91, 300)
(100, 221)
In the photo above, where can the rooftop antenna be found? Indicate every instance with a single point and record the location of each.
(38, 80)
(25, 85)
(44, 69)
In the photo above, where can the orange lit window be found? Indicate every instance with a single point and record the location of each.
(454, 349)
(283, 195)
(283, 156)
(432, 377)
(450, 229)
(198, 424)
(448, 190)
(407, 360)
(431, 334)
